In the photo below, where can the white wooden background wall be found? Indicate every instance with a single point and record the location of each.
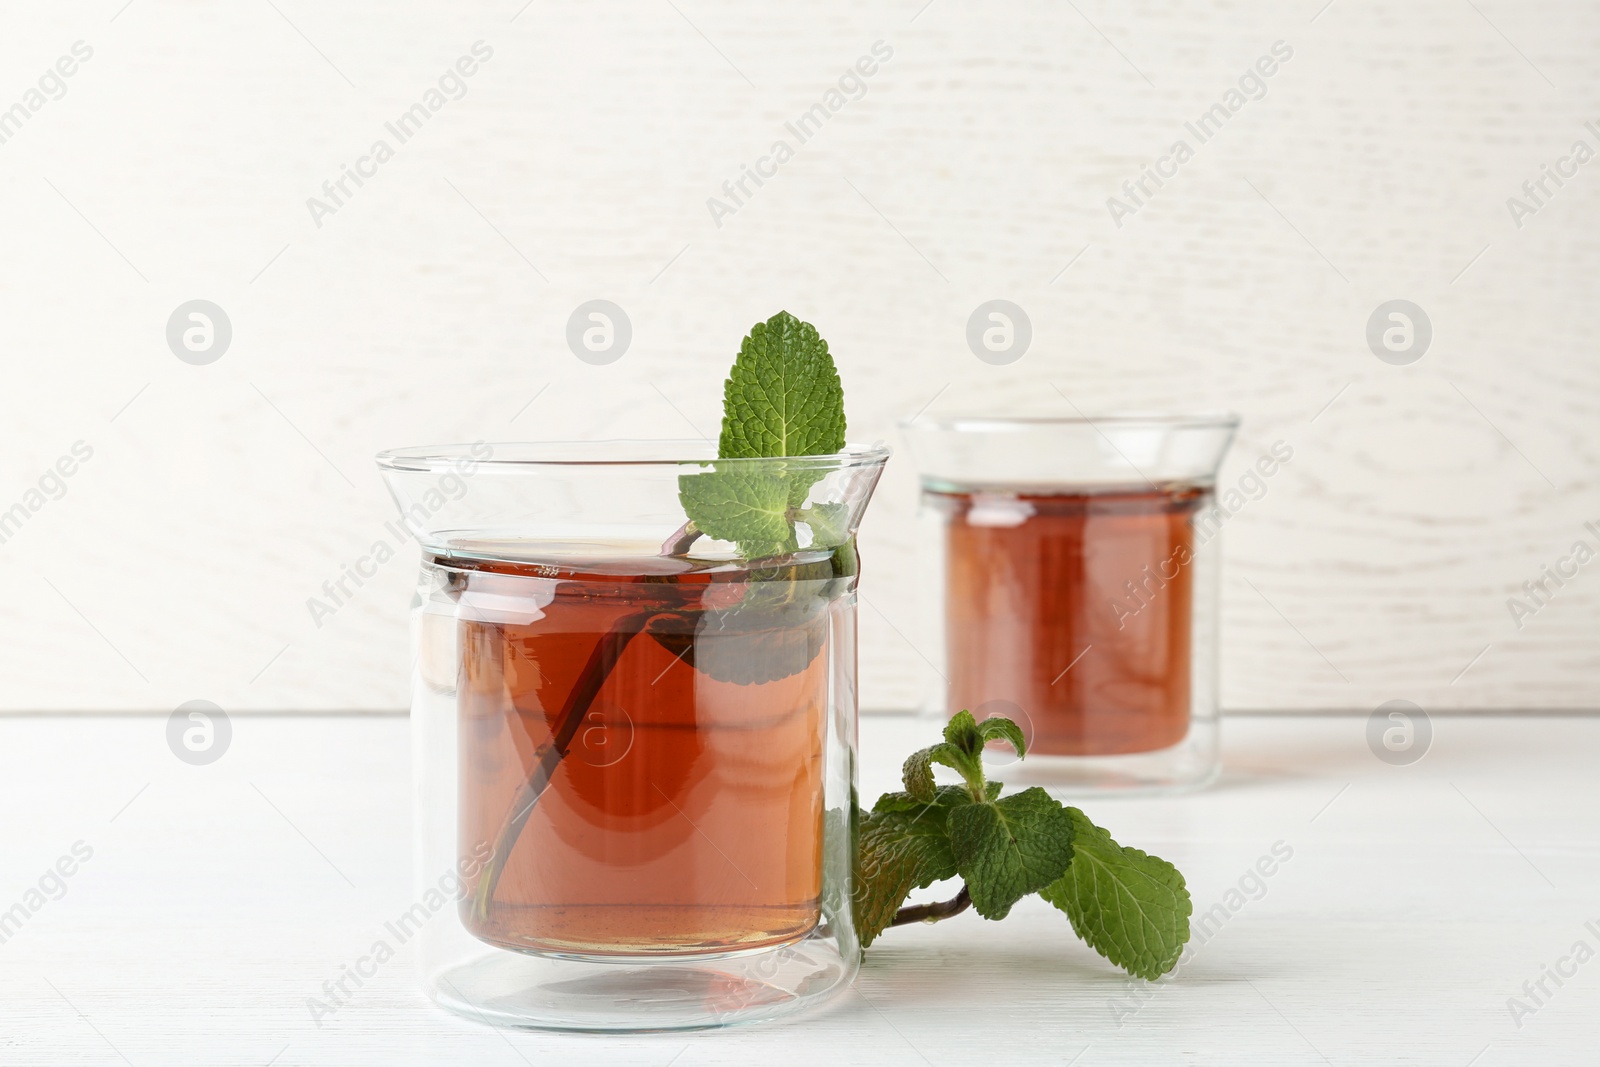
(577, 165)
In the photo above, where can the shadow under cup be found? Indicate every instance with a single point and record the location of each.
(1076, 565)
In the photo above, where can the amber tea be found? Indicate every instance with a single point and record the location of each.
(1076, 608)
(642, 738)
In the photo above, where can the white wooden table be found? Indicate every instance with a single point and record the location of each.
(1417, 900)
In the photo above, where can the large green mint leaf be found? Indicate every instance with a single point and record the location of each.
(903, 845)
(1130, 907)
(783, 396)
(749, 507)
(1015, 846)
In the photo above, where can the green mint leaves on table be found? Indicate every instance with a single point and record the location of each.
(1130, 907)
(782, 398)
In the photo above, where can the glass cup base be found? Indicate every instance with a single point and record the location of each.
(642, 995)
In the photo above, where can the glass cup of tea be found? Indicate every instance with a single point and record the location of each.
(1076, 565)
(634, 748)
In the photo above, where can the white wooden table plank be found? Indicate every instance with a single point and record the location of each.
(1416, 901)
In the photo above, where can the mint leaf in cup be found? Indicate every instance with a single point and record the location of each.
(782, 398)
(829, 524)
(748, 507)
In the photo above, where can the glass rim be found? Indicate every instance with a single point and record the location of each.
(1207, 420)
(513, 456)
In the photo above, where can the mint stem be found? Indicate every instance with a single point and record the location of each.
(932, 913)
(681, 541)
(607, 651)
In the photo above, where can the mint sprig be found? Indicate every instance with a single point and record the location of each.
(782, 398)
(1130, 907)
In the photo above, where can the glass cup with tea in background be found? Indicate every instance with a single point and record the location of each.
(1076, 573)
